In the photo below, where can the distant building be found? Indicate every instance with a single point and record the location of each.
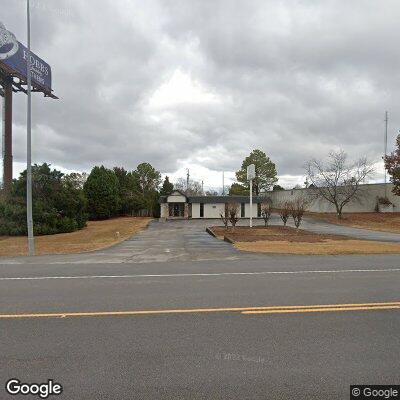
(178, 205)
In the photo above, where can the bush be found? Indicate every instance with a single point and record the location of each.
(58, 204)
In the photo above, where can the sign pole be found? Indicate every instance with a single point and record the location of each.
(29, 217)
(251, 203)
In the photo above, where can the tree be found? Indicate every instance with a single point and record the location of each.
(167, 187)
(233, 213)
(128, 190)
(148, 180)
(277, 187)
(392, 164)
(102, 193)
(194, 188)
(337, 181)
(284, 211)
(224, 218)
(266, 211)
(238, 190)
(298, 208)
(58, 204)
(265, 172)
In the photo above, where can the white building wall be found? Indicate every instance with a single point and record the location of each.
(195, 210)
(247, 210)
(213, 210)
(176, 198)
(369, 195)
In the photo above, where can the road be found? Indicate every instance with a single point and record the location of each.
(199, 328)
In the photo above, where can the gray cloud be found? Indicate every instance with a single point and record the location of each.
(293, 78)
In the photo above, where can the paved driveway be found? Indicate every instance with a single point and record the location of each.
(183, 240)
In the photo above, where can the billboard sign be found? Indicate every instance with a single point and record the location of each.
(8, 43)
(251, 172)
(14, 55)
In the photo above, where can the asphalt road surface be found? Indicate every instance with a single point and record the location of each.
(231, 327)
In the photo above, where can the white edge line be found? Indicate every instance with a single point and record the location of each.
(37, 278)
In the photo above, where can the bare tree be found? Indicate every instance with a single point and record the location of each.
(266, 210)
(225, 219)
(298, 207)
(338, 181)
(233, 213)
(284, 211)
(194, 189)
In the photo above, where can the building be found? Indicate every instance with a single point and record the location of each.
(178, 205)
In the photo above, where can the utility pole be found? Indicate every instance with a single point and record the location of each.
(223, 183)
(7, 134)
(29, 218)
(202, 188)
(187, 179)
(385, 150)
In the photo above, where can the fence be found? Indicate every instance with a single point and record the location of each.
(367, 202)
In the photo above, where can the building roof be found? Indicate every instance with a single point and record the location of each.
(219, 199)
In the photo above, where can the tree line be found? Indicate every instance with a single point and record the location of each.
(65, 202)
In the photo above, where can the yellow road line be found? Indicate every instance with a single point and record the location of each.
(243, 310)
(322, 309)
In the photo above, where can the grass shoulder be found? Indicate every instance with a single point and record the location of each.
(96, 235)
(288, 240)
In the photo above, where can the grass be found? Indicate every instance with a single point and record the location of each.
(97, 235)
(287, 240)
(384, 222)
(327, 247)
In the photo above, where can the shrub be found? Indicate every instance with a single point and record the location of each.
(58, 205)
(285, 211)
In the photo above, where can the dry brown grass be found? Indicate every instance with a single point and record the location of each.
(385, 222)
(333, 247)
(97, 235)
(272, 233)
(287, 240)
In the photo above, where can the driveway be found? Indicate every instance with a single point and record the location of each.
(183, 240)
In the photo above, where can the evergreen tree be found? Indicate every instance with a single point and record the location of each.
(167, 187)
(265, 172)
(102, 193)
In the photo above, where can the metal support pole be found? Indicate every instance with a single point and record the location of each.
(29, 217)
(385, 149)
(7, 121)
(251, 203)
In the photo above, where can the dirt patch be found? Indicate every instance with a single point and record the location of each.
(287, 240)
(272, 233)
(384, 222)
(97, 235)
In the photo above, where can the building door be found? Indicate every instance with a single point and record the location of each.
(177, 210)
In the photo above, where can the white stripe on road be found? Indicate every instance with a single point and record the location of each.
(37, 278)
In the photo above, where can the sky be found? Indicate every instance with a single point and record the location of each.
(198, 84)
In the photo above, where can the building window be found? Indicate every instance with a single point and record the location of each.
(201, 210)
(242, 210)
(258, 210)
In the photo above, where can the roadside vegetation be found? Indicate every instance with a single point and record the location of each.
(64, 203)
(96, 235)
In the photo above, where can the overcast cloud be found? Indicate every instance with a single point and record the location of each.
(199, 84)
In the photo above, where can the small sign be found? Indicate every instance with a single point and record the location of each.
(251, 172)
